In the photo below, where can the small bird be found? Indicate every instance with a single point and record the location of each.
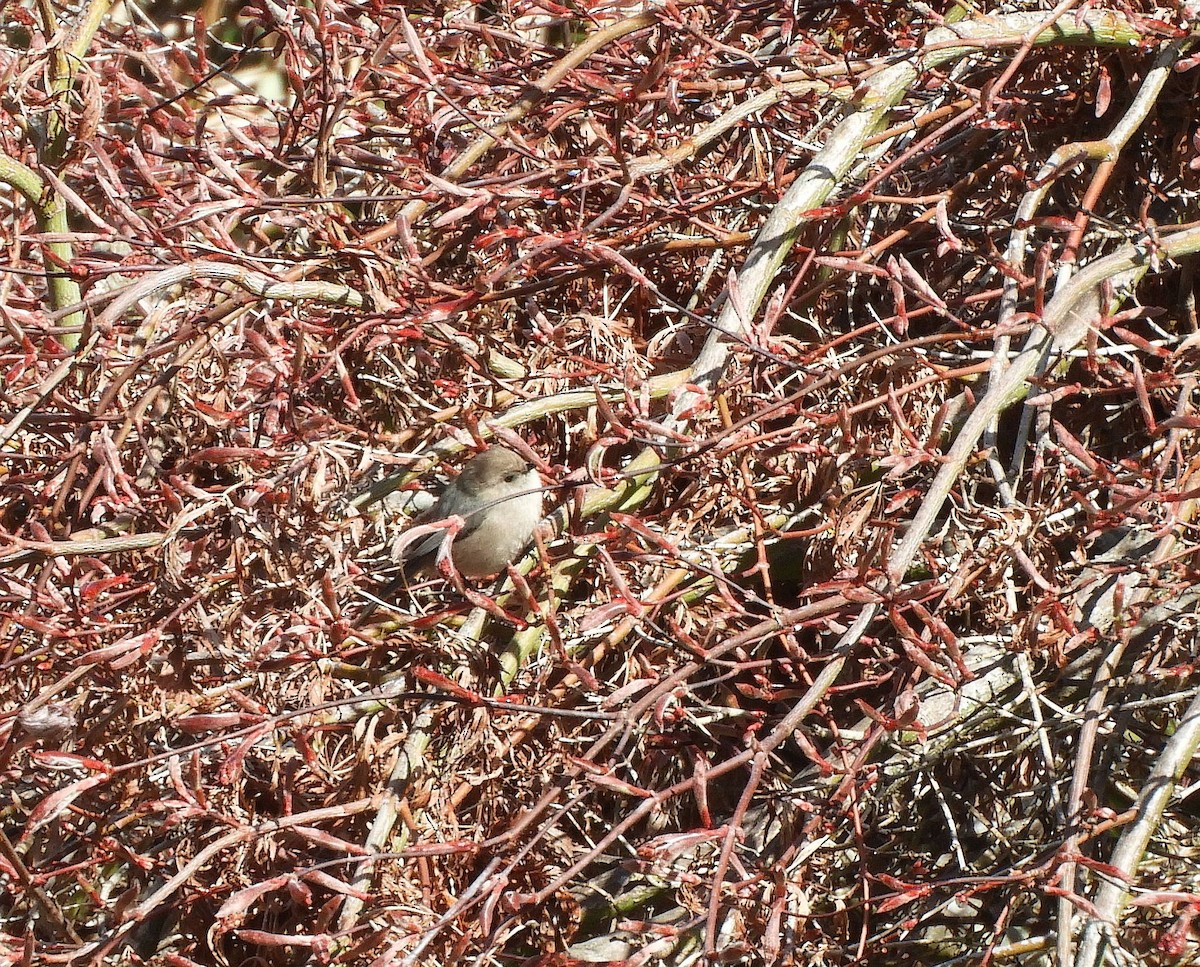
(497, 494)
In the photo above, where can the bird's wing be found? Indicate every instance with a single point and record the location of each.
(450, 504)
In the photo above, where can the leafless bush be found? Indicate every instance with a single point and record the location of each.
(261, 257)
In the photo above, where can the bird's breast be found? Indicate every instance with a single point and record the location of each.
(505, 532)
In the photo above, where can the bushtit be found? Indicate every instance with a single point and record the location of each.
(497, 496)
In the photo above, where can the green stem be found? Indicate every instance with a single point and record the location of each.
(51, 214)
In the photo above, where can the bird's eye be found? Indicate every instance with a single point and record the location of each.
(512, 476)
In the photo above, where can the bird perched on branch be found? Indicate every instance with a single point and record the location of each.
(488, 514)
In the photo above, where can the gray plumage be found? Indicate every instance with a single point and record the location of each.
(498, 497)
